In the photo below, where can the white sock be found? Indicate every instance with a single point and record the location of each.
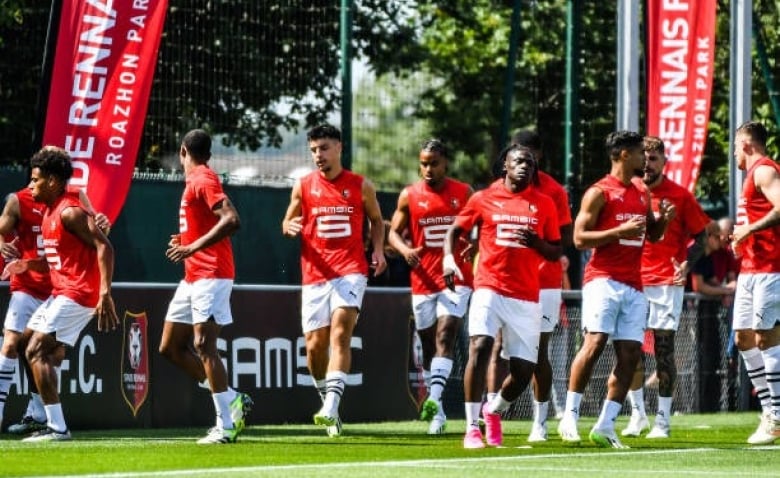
(573, 400)
(36, 407)
(472, 415)
(491, 396)
(7, 369)
(754, 364)
(222, 407)
(440, 372)
(540, 413)
(772, 366)
(637, 399)
(664, 415)
(335, 385)
(498, 404)
(55, 418)
(609, 412)
(321, 387)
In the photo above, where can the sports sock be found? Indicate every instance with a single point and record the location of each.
(335, 385)
(222, 407)
(609, 412)
(637, 399)
(54, 417)
(491, 396)
(664, 414)
(7, 369)
(754, 364)
(440, 372)
(540, 413)
(36, 408)
(472, 415)
(498, 404)
(573, 400)
(772, 366)
(320, 385)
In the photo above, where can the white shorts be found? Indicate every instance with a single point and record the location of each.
(62, 317)
(614, 308)
(757, 301)
(428, 308)
(665, 306)
(550, 300)
(517, 319)
(21, 307)
(319, 301)
(197, 302)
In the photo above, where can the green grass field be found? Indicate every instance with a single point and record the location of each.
(701, 445)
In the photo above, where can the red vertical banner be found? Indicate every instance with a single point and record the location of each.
(101, 78)
(680, 55)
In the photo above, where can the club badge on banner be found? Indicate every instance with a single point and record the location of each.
(101, 78)
(135, 361)
(680, 55)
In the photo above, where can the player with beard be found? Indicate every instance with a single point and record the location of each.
(757, 299)
(615, 215)
(426, 209)
(518, 229)
(665, 265)
(327, 210)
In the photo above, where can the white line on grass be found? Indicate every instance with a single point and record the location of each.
(439, 463)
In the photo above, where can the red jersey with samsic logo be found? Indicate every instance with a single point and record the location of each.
(761, 250)
(332, 236)
(73, 265)
(30, 244)
(551, 272)
(619, 260)
(505, 266)
(430, 214)
(689, 220)
(203, 191)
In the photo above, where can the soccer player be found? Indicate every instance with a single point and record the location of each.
(757, 299)
(550, 299)
(615, 215)
(665, 265)
(81, 263)
(201, 305)
(427, 208)
(518, 230)
(21, 218)
(327, 210)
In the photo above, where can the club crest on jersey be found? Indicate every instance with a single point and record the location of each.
(135, 361)
(345, 193)
(454, 203)
(533, 208)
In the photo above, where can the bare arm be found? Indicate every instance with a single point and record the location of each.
(8, 221)
(767, 180)
(81, 224)
(291, 224)
(101, 220)
(657, 227)
(374, 214)
(227, 224)
(398, 224)
(585, 237)
(703, 287)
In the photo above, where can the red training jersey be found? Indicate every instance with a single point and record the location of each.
(430, 214)
(551, 272)
(203, 191)
(332, 235)
(30, 245)
(619, 260)
(761, 250)
(73, 265)
(690, 220)
(505, 266)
